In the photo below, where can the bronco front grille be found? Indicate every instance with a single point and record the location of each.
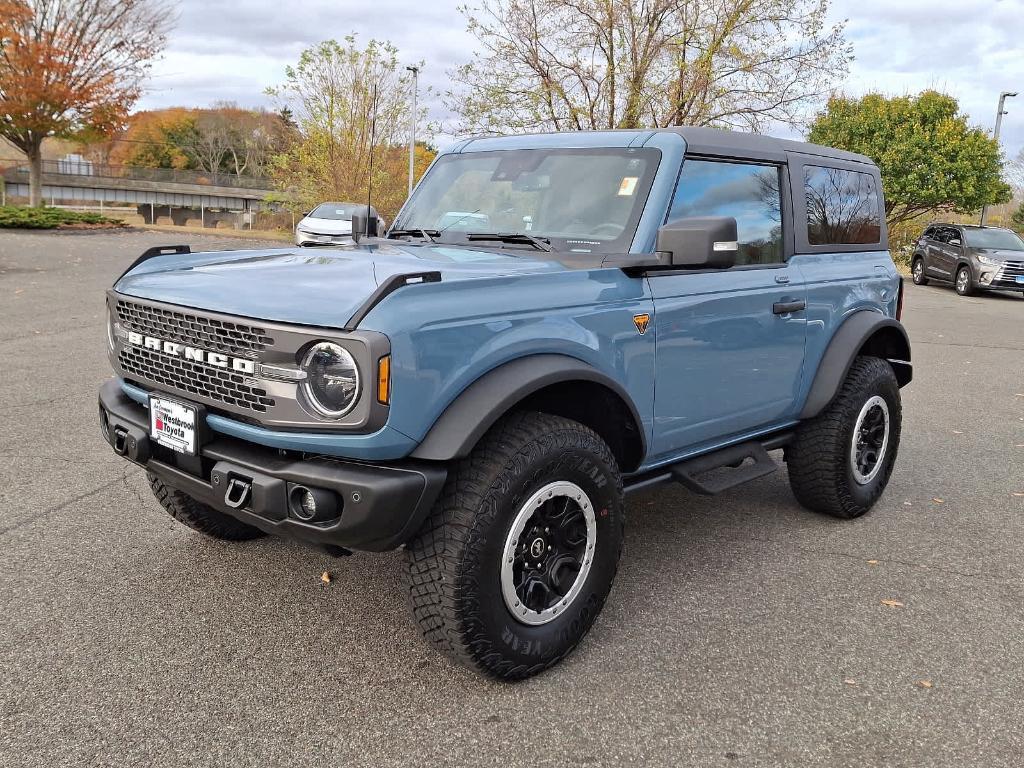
(194, 377)
(194, 330)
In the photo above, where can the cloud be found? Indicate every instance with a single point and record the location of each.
(968, 50)
(231, 51)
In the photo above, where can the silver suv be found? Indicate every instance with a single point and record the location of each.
(970, 257)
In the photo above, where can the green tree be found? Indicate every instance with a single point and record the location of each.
(1018, 218)
(350, 104)
(932, 160)
(593, 64)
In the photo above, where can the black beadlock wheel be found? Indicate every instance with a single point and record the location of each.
(515, 561)
(840, 461)
(198, 516)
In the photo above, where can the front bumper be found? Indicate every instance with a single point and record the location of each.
(379, 506)
(314, 238)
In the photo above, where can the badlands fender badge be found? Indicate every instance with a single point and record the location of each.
(641, 322)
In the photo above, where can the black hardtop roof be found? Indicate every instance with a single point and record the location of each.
(713, 141)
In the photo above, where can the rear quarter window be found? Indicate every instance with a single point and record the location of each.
(842, 207)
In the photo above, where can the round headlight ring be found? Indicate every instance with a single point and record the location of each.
(308, 385)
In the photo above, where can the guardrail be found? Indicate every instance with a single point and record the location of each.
(173, 175)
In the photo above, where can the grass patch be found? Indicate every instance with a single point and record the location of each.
(12, 217)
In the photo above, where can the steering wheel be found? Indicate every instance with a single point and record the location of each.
(608, 229)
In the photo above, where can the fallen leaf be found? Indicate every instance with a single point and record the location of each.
(908, 504)
(851, 682)
(1019, 394)
(325, 577)
(872, 562)
(957, 432)
(892, 603)
(925, 683)
(937, 500)
(1018, 493)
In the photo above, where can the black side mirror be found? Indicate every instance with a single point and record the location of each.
(306, 213)
(699, 242)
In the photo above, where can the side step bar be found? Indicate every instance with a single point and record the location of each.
(688, 472)
(745, 462)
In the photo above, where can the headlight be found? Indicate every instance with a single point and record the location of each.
(988, 261)
(303, 230)
(332, 383)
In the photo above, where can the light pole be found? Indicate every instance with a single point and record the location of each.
(995, 134)
(412, 124)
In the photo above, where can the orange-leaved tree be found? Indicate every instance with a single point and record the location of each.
(69, 66)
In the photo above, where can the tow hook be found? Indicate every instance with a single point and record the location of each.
(237, 494)
(120, 440)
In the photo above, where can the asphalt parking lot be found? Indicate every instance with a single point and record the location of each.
(742, 630)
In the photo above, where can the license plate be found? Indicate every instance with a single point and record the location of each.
(172, 424)
(1020, 278)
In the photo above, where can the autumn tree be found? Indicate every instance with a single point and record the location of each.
(150, 139)
(71, 65)
(592, 64)
(350, 103)
(932, 160)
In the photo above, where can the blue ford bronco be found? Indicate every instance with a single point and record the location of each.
(550, 323)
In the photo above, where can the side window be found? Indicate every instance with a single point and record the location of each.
(941, 235)
(929, 234)
(748, 193)
(954, 238)
(842, 207)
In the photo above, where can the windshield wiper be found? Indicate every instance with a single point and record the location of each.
(426, 234)
(540, 243)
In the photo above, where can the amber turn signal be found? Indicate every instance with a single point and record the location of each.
(384, 380)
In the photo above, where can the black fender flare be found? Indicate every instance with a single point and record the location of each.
(487, 399)
(855, 332)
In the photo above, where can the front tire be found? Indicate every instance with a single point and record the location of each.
(964, 284)
(918, 272)
(840, 461)
(198, 516)
(511, 568)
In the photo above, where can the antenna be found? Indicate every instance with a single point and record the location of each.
(369, 180)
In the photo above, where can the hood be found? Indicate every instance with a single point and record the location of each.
(327, 226)
(322, 286)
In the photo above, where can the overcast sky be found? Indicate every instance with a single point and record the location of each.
(230, 51)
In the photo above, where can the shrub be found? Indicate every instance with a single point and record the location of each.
(12, 217)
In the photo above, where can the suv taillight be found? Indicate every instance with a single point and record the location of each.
(899, 301)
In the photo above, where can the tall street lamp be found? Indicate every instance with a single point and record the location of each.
(999, 124)
(412, 123)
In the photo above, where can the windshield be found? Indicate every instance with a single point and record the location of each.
(1001, 239)
(586, 200)
(337, 211)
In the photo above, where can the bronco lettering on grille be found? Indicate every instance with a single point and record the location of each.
(174, 349)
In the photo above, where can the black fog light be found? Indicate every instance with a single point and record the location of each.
(312, 505)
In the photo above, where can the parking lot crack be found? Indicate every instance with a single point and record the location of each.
(121, 479)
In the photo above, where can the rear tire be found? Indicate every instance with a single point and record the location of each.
(511, 568)
(840, 461)
(198, 516)
(964, 284)
(917, 271)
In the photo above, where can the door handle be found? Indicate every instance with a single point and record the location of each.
(785, 307)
